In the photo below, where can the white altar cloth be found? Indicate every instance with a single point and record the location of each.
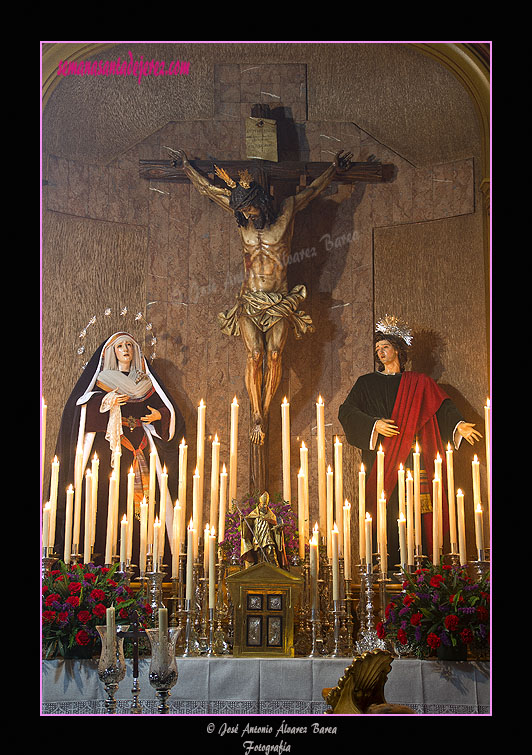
(265, 686)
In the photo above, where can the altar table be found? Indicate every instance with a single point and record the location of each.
(265, 686)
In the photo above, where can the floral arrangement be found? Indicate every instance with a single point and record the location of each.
(74, 601)
(230, 545)
(440, 607)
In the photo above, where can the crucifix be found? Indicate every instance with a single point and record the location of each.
(265, 308)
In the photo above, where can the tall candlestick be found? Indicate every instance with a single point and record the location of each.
(68, 524)
(123, 540)
(380, 473)
(190, 561)
(361, 513)
(223, 504)
(401, 490)
(46, 525)
(475, 468)
(487, 433)
(233, 453)
(143, 535)
(479, 531)
(330, 509)
(95, 468)
(401, 524)
(301, 512)
(206, 550)
(200, 459)
(195, 507)
(451, 499)
(109, 542)
(410, 517)
(439, 502)
(435, 522)
(212, 566)
(156, 543)
(303, 456)
(285, 437)
(130, 512)
(314, 567)
(368, 524)
(322, 480)
(176, 539)
(417, 499)
(462, 544)
(162, 511)
(338, 489)
(381, 533)
(347, 539)
(335, 563)
(78, 489)
(88, 518)
(182, 488)
(215, 480)
(151, 495)
(54, 481)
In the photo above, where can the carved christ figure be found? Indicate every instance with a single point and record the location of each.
(265, 308)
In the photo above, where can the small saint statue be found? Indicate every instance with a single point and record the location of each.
(262, 537)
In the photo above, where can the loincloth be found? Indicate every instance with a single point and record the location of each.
(265, 309)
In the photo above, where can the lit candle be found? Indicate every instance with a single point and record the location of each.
(109, 542)
(401, 524)
(68, 524)
(143, 535)
(54, 481)
(475, 467)
(451, 499)
(195, 506)
(380, 473)
(361, 513)
(200, 459)
(46, 525)
(462, 544)
(410, 516)
(176, 539)
(338, 488)
(233, 452)
(417, 499)
(190, 560)
(335, 563)
(401, 490)
(369, 541)
(314, 567)
(381, 533)
(435, 522)
(123, 540)
(215, 480)
(487, 433)
(439, 502)
(88, 518)
(303, 457)
(212, 565)
(78, 489)
(182, 486)
(151, 495)
(301, 512)
(95, 469)
(322, 480)
(479, 531)
(156, 543)
(116, 475)
(330, 509)
(347, 539)
(162, 510)
(130, 512)
(206, 550)
(285, 436)
(223, 503)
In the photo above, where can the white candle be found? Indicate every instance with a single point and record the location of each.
(200, 459)
(95, 469)
(335, 563)
(451, 499)
(88, 518)
(233, 453)
(109, 542)
(462, 544)
(475, 468)
(195, 507)
(435, 522)
(410, 517)
(401, 490)
(206, 550)
(110, 621)
(182, 487)
(123, 540)
(401, 524)
(68, 524)
(130, 512)
(163, 628)
(417, 499)
(156, 543)
(176, 539)
(380, 473)
(215, 480)
(285, 437)
(78, 490)
(116, 475)
(301, 512)
(322, 479)
(347, 539)
(46, 525)
(361, 513)
(143, 535)
(151, 495)
(479, 531)
(212, 566)
(381, 533)
(223, 504)
(330, 509)
(338, 488)
(190, 561)
(54, 481)
(487, 433)
(314, 567)
(369, 540)
(303, 456)
(439, 502)
(162, 511)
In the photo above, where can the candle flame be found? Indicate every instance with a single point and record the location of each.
(417, 447)
(488, 403)
(285, 402)
(131, 469)
(478, 508)
(347, 505)
(315, 529)
(329, 470)
(438, 457)
(95, 457)
(182, 442)
(156, 523)
(449, 447)
(475, 460)
(47, 506)
(368, 516)
(401, 467)
(335, 528)
(177, 505)
(224, 469)
(124, 519)
(191, 524)
(70, 488)
(383, 497)
(362, 469)
(380, 448)
(320, 400)
(235, 402)
(215, 438)
(144, 503)
(196, 473)
(409, 475)
(401, 517)
(303, 446)
(164, 470)
(459, 492)
(201, 403)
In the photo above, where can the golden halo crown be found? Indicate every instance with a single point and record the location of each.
(394, 326)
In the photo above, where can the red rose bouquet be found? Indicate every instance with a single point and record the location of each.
(440, 607)
(74, 600)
